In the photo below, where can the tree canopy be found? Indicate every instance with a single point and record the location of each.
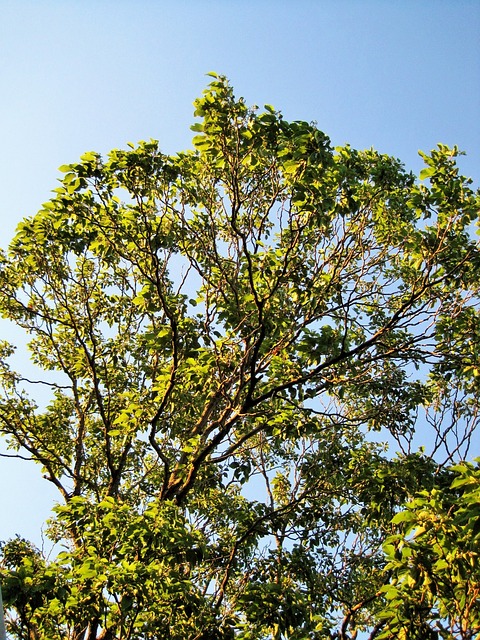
(258, 377)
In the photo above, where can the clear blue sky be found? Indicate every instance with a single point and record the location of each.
(78, 75)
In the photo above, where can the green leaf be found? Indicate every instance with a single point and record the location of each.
(427, 172)
(404, 516)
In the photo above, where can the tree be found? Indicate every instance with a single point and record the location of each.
(224, 338)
